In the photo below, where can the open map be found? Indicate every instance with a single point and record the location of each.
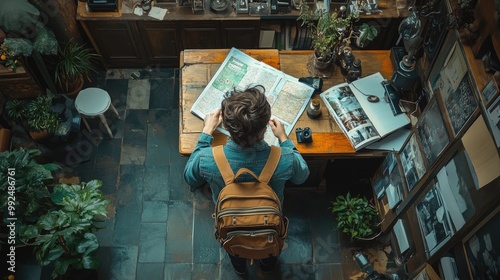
(288, 97)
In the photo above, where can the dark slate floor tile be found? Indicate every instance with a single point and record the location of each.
(157, 185)
(117, 89)
(205, 248)
(154, 211)
(133, 151)
(297, 271)
(179, 232)
(127, 221)
(150, 271)
(136, 122)
(109, 177)
(323, 230)
(123, 262)
(179, 190)
(108, 153)
(104, 256)
(328, 271)
(159, 148)
(131, 183)
(105, 234)
(160, 73)
(177, 271)
(161, 93)
(152, 245)
(203, 271)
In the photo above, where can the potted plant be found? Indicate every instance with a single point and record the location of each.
(32, 197)
(36, 115)
(355, 216)
(328, 30)
(75, 63)
(64, 235)
(367, 33)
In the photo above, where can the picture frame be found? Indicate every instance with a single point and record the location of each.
(493, 116)
(460, 105)
(491, 91)
(433, 220)
(432, 131)
(482, 248)
(412, 162)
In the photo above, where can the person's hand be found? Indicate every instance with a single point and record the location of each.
(278, 129)
(212, 121)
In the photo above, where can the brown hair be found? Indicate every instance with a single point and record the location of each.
(245, 115)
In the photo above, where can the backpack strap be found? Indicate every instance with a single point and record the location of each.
(223, 164)
(271, 164)
(228, 175)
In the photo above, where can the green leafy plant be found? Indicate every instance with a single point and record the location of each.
(64, 235)
(30, 178)
(40, 116)
(366, 33)
(355, 216)
(75, 61)
(328, 29)
(35, 114)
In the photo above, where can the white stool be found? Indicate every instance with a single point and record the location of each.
(92, 102)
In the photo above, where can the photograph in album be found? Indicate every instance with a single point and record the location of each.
(412, 162)
(434, 220)
(432, 132)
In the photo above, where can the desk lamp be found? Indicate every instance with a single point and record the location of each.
(405, 76)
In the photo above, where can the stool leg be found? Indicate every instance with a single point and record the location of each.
(114, 110)
(85, 122)
(103, 119)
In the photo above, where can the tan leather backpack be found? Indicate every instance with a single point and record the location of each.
(249, 222)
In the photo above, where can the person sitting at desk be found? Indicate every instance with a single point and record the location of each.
(245, 115)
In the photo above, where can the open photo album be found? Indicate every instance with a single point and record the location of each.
(287, 96)
(362, 120)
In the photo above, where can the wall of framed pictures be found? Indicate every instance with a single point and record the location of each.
(437, 196)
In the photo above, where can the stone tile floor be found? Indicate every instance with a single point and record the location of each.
(157, 228)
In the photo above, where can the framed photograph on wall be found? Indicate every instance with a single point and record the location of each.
(490, 91)
(482, 248)
(412, 162)
(432, 131)
(433, 220)
(460, 105)
(493, 116)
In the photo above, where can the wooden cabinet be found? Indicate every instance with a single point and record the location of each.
(161, 41)
(240, 34)
(118, 42)
(201, 34)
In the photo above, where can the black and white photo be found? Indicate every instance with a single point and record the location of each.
(432, 132)
(434, 220)
(412, 162)
(460, 104)
(490, 92)
(483, 250)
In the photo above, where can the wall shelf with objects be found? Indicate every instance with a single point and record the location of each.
(131, 37)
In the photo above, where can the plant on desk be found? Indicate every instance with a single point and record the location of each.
(355, 216)
(328, 30)
(367, 33)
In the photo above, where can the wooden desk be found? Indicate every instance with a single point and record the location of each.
(197, 67)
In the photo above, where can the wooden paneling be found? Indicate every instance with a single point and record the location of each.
(200, 35)
(161, 41)
(240, 34)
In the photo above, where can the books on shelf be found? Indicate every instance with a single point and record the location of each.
(287, 96)
(362, 121)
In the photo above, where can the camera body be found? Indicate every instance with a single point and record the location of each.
(304, 135)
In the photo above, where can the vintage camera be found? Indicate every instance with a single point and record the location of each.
(304, 135)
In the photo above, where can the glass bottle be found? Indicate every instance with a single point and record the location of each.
(354, 71)
(346, 60)
(314, 109)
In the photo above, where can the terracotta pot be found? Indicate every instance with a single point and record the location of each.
(74, 88)
(39, 135)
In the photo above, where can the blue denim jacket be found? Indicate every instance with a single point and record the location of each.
(201, 166)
